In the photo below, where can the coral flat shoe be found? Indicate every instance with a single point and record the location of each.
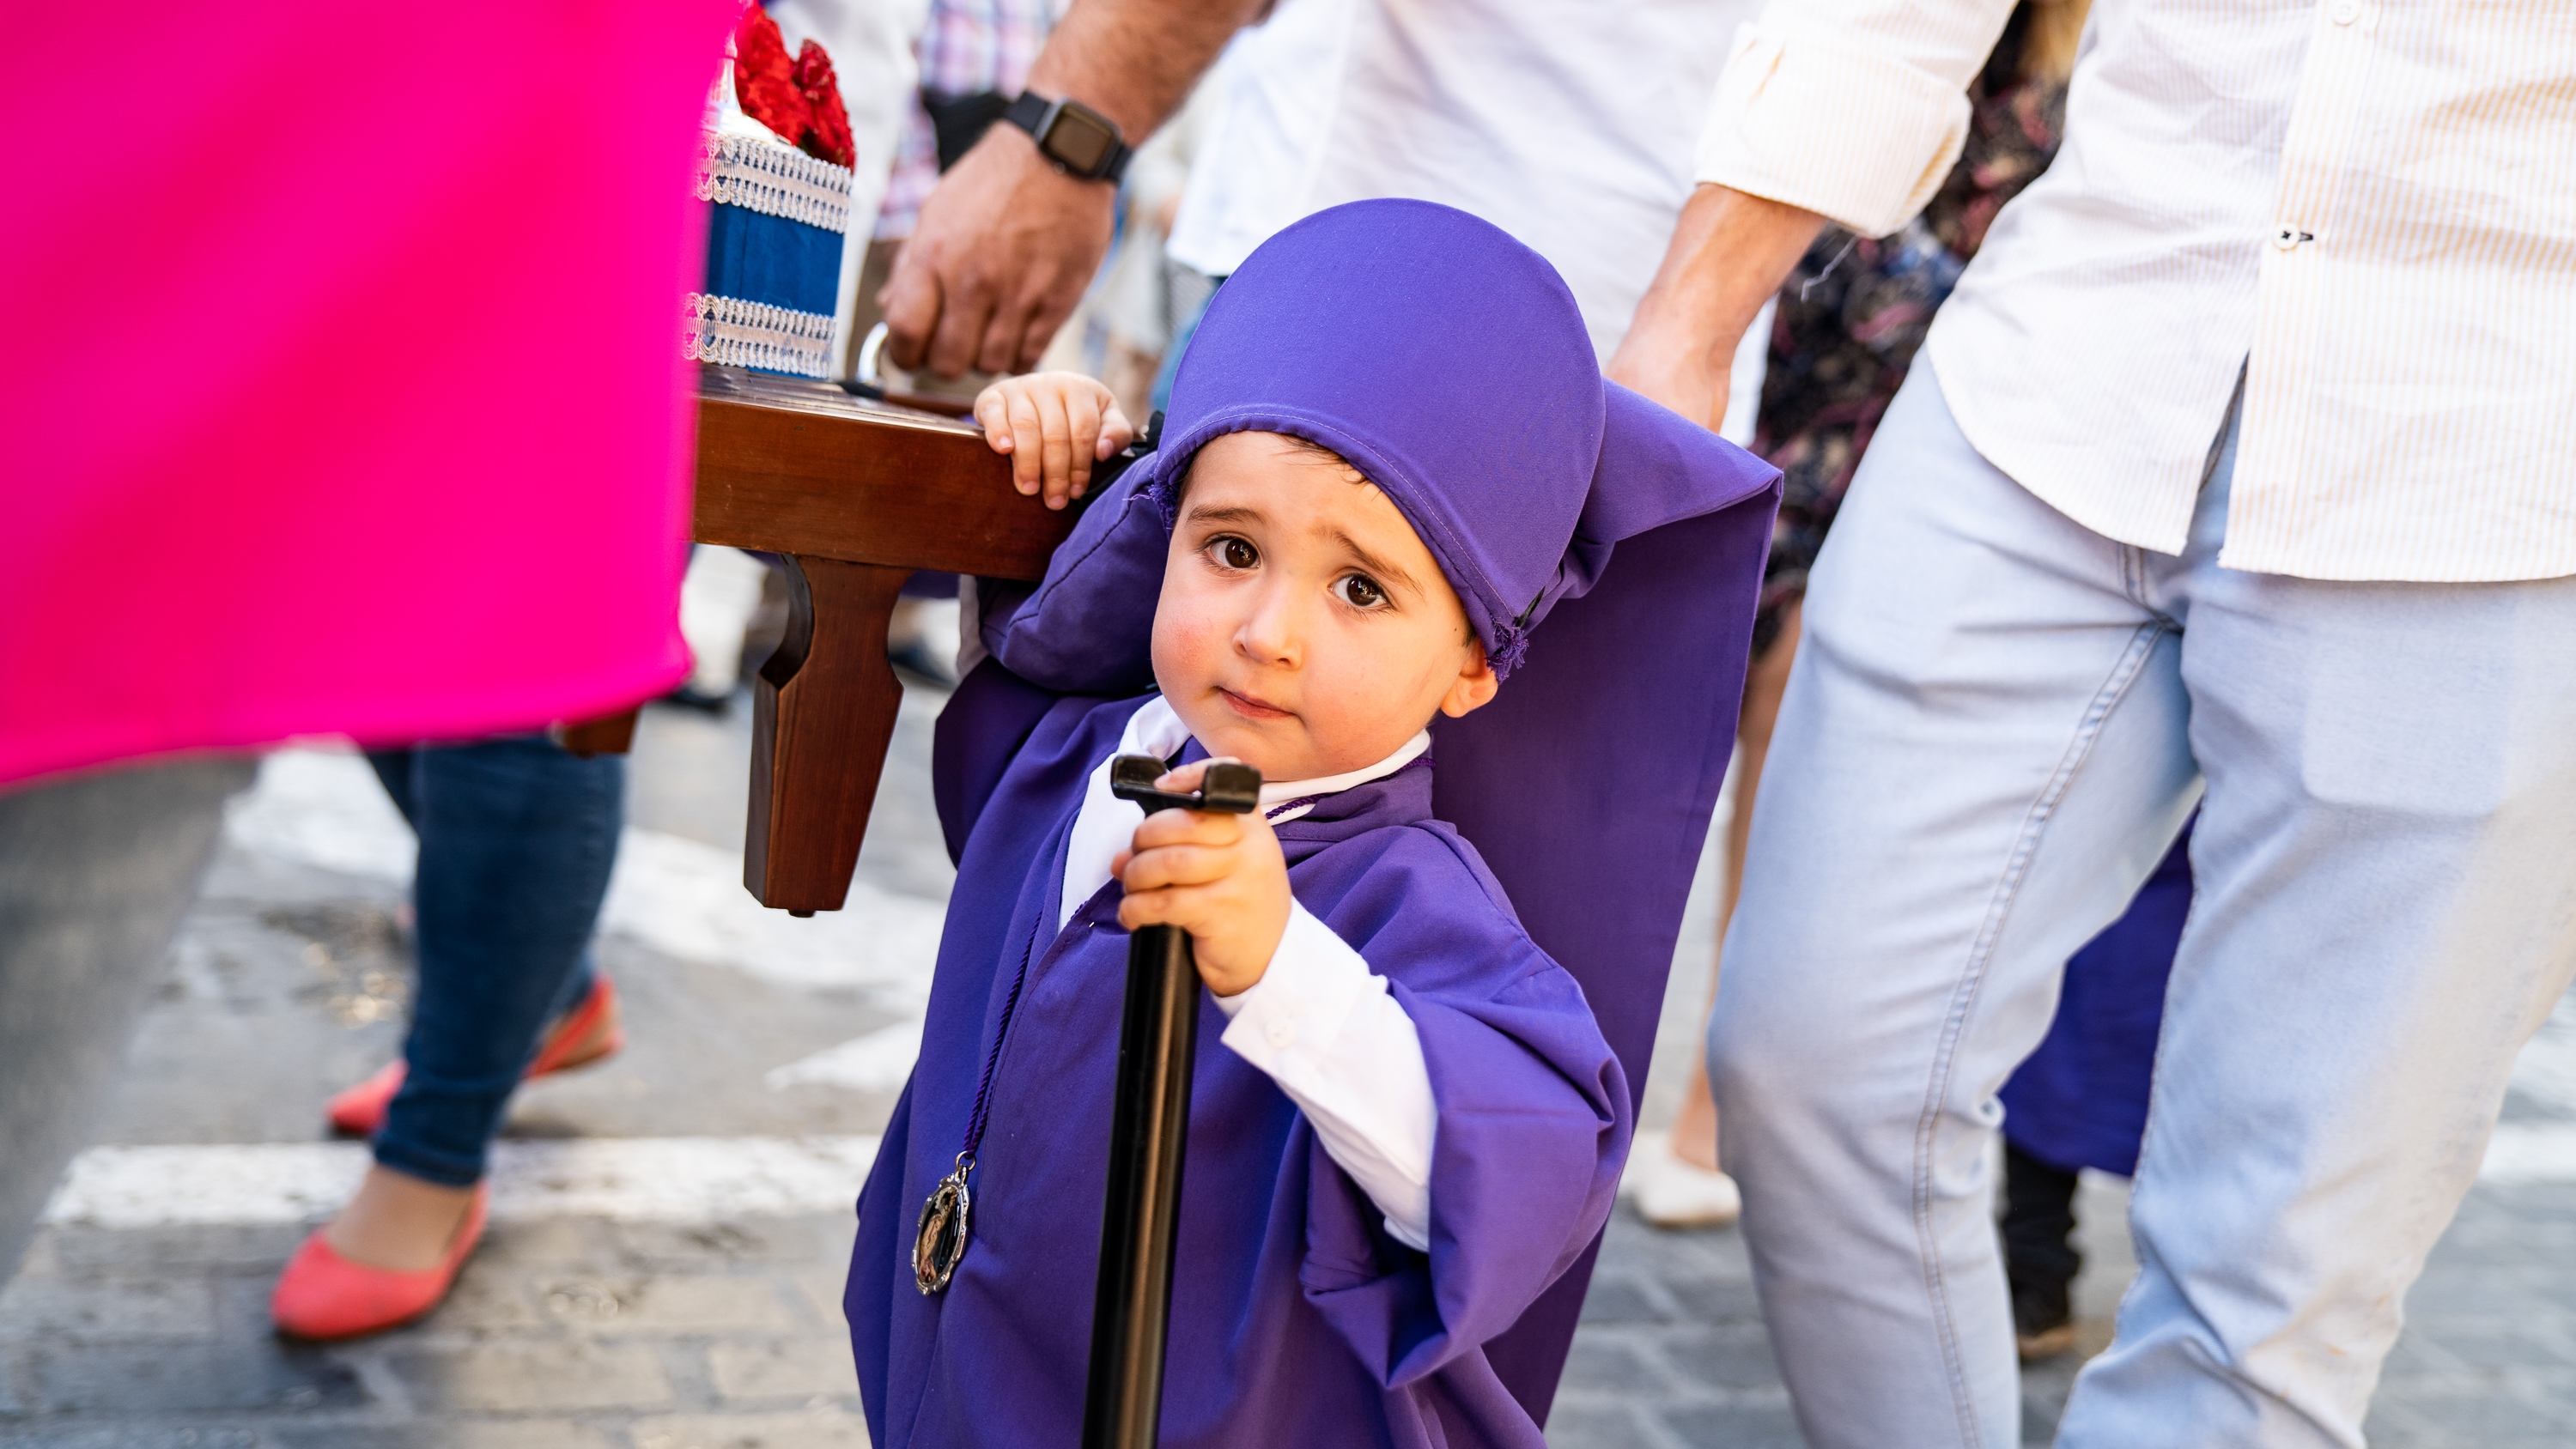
(322, 1295)
(360, 1110)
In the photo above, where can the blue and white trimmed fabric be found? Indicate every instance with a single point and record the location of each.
(774, 237)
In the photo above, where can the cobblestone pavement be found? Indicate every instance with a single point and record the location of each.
(665, 1263)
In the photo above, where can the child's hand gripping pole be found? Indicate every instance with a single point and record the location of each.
(1148, 1130)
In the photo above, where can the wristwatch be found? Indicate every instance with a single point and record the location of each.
(1079, 140)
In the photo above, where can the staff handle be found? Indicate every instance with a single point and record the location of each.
(1149, 1122)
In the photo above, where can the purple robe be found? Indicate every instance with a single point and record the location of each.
(1296, 1318)
(1609, 555)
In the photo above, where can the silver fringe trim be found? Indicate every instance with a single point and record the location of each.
(774, 180)
(737, 333)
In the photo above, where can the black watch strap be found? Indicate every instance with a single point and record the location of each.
(1079, 140)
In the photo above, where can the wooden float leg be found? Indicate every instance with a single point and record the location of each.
(823, 711)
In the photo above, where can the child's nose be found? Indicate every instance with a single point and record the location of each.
(1272, 632)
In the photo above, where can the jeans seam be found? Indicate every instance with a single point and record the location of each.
(2124, 674)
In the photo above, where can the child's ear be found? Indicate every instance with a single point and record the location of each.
(1475, 686)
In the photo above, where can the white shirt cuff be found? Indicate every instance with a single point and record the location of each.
(1819, 122)
(1324, 1027)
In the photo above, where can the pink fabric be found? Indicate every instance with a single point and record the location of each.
(343, 391)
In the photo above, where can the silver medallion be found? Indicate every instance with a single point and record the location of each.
(941, 1239)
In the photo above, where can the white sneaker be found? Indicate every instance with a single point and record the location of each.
(1671, 1193)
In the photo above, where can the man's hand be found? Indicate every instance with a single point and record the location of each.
(1054, 426)
(1005, 245)
(1219, 877)
(1730, 252)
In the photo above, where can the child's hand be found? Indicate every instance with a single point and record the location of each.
(1054, 425)
(1219, 877)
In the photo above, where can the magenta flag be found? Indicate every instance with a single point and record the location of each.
(344, 390)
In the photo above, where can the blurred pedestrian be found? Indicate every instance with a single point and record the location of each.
(517, 836)
(283, 524)
(2238, 479)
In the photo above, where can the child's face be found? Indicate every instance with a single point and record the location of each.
(1303, 628)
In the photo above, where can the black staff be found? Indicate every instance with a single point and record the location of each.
(1131, 1311)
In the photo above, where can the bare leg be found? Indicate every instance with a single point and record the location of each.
(1695, 1126)
(399, 1222)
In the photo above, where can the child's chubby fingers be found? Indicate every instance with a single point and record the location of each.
(993, 415)
(1235, 924)
(1029, 449)
(1115, 432)
(1055, 424)
(1187, 827)
(1082, 419)
(1179, 865)
(1009, 413)
(1188, 907)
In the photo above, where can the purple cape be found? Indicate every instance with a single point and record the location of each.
(1296, 1319)
(1449, 364)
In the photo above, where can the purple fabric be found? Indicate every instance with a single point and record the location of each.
(2080, 1100)
(1447, 361)
(1296, 1319)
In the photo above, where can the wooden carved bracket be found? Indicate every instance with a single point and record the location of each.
(823, 711)
(853, 496)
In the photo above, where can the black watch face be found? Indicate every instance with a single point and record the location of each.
(1080, 140)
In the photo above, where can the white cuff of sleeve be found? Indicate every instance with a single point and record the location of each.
(1322, 1025)
(1820, 123)
(1313, 980)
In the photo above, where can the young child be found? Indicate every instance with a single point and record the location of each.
(1390, 457)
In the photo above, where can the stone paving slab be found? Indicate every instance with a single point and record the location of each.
(1672, 1351)
(637, 1336)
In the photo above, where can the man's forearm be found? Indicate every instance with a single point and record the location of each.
(1135, 61)
(1729, 253)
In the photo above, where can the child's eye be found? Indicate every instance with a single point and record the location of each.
(1359, 591)
(1235, 553)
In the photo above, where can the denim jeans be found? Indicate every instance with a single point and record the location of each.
(516, 840)
(1996, 722)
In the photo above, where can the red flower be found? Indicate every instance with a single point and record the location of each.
(764, 80)
(830, 138)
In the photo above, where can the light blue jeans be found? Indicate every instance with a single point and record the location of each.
(1996, 722)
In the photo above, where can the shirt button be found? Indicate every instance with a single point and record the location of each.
(2345, 12)
(1281, 1031)
(2287, 237)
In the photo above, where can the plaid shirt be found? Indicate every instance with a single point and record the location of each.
(966, 46)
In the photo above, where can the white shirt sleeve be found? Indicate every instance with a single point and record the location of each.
(1323, 1026)
(1853, 108)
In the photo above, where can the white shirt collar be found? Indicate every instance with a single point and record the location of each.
(1106, 822)
(1306, 794)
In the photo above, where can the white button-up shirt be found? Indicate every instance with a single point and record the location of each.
(2369, 204)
